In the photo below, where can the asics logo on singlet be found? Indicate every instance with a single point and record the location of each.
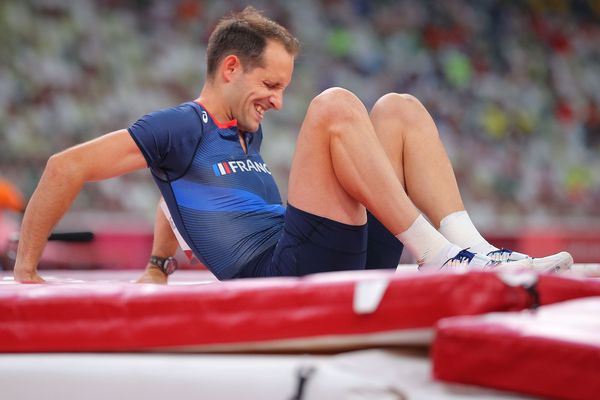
(232, 167)
(204, 117)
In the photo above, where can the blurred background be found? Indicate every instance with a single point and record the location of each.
(514, 87)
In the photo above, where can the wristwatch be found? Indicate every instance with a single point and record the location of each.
(167, 265)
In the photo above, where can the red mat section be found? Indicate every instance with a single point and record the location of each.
(557, 288)
(552, 352)
(122, 316)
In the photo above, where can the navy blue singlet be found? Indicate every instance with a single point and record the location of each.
(224, 202)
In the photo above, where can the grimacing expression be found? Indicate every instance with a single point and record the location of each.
(260, 89)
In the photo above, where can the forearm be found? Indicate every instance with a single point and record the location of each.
(165, 243)
(55, 192)
(105, 157)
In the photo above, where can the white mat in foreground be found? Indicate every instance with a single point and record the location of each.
(370, 374)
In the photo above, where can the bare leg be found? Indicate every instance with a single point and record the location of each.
(411, 141)
(164, 245)
(340, 166)
(346, 161)
(412, 144)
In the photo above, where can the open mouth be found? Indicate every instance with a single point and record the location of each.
(259, 110)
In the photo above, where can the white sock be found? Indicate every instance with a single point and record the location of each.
(458, 228)
(424, 242)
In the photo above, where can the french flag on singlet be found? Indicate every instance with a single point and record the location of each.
(221, 168)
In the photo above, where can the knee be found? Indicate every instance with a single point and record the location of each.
(403, 108)
(337, 104)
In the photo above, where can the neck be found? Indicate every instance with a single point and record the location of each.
(211, 98)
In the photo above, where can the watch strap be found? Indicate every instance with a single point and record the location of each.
(161, 263)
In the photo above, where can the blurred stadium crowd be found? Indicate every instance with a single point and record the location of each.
(513, 86)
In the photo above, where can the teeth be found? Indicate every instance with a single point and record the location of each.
(259, 109)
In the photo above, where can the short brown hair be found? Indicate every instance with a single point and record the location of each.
(245, 35)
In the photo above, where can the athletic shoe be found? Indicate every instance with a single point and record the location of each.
(557, 262)
(465, 261)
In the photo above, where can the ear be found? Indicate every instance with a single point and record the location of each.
(230, 66)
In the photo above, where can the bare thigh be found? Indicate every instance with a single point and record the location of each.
(314, 186)
(412, 144)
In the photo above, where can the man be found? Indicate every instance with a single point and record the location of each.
(205, 157)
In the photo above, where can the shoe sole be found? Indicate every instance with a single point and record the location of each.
(559, 262)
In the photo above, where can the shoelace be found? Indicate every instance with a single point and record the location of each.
(500, 255)
(462, 259)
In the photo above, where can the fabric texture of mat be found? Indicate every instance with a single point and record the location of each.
(365, 374)
(553, 351)
(554, 288)
(324, 311)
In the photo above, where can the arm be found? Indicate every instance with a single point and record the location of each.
(108, 156)
(164, 245)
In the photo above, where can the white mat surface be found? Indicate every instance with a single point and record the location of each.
(370, 374)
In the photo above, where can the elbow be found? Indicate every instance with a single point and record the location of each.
(62, 167)
(56, 164)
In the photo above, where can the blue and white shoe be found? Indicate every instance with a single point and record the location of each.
(465, 261)
(557, 262)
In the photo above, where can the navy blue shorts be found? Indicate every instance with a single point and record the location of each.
(311, 244)
(383, 249)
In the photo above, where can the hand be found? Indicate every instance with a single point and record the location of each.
(27, 276)
(153, 274)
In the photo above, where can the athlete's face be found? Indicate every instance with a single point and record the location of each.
(260, 89)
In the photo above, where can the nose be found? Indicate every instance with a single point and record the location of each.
(276, 101)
